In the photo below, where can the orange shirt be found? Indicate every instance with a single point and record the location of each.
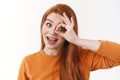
(40, 66)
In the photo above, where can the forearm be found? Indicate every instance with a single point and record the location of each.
(88, 44)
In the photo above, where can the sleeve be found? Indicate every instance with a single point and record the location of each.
(22, 71)
(107, 56)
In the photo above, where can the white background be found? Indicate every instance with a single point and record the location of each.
(20, 31)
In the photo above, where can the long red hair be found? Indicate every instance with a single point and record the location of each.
(70, 58)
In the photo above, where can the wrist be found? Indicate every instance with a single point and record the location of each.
(76, 41)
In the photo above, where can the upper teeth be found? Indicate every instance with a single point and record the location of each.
(52, 38)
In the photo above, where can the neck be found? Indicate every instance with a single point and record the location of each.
(51, 51)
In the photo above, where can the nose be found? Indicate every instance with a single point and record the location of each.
(52, 30)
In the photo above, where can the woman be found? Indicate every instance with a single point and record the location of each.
(63, 55)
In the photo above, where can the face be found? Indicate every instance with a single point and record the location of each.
(50, 38)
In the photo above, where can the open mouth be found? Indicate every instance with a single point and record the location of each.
(51, 40)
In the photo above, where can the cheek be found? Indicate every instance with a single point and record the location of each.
(44, 30)
(62, 40)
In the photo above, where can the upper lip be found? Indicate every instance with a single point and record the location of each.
(51, 37)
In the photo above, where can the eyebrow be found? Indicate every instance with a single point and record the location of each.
(49, 20)
(53, 22)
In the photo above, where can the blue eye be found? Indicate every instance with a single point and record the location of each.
(48, 24)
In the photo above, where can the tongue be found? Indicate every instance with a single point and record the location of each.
(51, 42)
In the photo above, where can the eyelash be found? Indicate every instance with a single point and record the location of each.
(48, 24)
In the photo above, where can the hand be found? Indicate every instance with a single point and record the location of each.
(67, 29)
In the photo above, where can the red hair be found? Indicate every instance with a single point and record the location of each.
(70, 58)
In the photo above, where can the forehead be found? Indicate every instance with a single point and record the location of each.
(55, 17)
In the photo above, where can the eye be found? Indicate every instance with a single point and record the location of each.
(48, 24)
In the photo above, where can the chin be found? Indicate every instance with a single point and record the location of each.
(50, 46)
